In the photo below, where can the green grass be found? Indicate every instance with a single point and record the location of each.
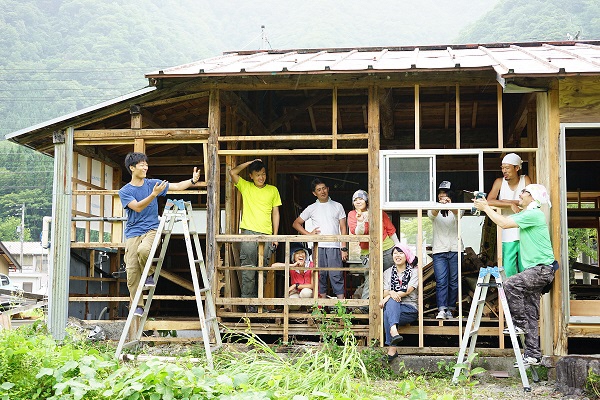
(34, 366)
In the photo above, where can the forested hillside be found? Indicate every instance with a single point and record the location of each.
(59, 56)
(536, 20)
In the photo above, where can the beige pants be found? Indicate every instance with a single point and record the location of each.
(305, 293)
(137, 250)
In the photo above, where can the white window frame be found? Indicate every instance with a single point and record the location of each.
(432, 204)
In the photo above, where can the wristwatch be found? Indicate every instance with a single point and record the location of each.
(344, 249)
(297, 285)
(192, 180)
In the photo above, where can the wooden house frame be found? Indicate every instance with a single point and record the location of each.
(327, 111)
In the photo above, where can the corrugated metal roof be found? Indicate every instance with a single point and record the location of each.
(529, 59)
(81, 112)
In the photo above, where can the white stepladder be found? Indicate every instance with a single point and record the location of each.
(175, 211)
(474, 321)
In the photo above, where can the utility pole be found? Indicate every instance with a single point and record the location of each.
(22, 232)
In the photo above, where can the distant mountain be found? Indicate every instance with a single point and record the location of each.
(58, 56)
(536, 20)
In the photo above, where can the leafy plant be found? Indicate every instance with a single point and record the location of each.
(467, 374)
(592, 383)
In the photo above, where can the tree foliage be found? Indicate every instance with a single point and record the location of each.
(536, 20)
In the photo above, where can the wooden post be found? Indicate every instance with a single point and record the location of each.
(553, 333)
(500, 122)
(334, 118)
(213, 182)
(60, 251)
(457, 116)
(417, 118)
(375, 267)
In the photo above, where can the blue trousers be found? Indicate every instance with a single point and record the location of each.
(397, 313)
(445, 268)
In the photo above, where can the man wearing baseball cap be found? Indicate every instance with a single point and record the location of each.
(505, 195)
(524, 289)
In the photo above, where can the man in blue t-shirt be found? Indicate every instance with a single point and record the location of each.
(138, 198)
(524, 289)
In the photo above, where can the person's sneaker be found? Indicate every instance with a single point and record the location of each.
(518, 331)
(441, 315)
(449, 314)
(139, 311)
(529, 361)
(149, 282)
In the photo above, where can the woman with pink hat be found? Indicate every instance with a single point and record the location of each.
(399, 301)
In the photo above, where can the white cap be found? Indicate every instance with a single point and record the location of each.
(512, 159)
(538, 193)
(445, 185)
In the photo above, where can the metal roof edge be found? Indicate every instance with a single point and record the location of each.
(81, 112)
(412, 47)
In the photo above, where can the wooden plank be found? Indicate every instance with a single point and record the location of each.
(296, 137)
(334, 118)
(214, 182)
(417, 118)
(296, 111)
(292, 238)
(82, 136)
(287, 152)
(242, 109)
(96, 298)
(579, 99)
(500, 116)
(457, 116)
(375, 231)
(115, 193)
(386, 112)
(584, 308)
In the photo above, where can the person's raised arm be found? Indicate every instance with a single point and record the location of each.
(186, 184)
(235, 172)
(502, 221)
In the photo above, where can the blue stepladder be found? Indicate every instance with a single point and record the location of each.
(474, 320)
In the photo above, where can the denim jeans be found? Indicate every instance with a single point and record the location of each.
(249, 258)
(397, 313)
(445, 268)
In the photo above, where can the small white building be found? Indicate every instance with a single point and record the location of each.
(33, 275)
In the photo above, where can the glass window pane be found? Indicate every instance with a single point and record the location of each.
(410, 179)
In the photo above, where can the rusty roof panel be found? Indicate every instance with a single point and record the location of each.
(508, 59)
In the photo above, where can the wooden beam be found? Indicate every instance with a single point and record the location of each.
(212, 197)
(417, 118)
(173, 100)
(244, 111)
(296, 111)
(83, 136)
(334, 118)
(519, 120)
(500, 116)
(304, 137)
(457, 116)
(375, 232)
(386, 113)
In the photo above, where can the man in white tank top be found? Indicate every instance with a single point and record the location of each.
(505, 195)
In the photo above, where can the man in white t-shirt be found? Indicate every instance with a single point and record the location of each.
(505, 195)
(328, 218)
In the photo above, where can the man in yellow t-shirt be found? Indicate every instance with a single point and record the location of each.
(260, 215)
